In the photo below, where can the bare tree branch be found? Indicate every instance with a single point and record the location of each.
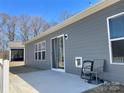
(3, 28)
(11, 27)
(38, 25)
(25, 26)
(65, 15)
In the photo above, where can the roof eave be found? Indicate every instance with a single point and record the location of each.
(93, 9)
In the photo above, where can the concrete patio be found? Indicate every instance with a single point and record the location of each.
(47, 82)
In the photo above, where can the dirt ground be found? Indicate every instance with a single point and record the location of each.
(107, 88)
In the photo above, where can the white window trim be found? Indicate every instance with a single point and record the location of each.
(39, 51)
(35, 52)
(43, 50)
(41, 55)
(110, 40)
(76, 64)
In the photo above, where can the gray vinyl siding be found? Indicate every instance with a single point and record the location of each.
(87, 38)
(30, 57)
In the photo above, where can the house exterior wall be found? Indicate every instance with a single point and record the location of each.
(87, 38)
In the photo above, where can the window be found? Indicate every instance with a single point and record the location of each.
(116, 38)
(36, 58)
(40, 51)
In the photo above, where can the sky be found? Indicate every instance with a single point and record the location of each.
(50, 10)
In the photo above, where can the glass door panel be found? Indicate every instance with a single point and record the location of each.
(58, 53)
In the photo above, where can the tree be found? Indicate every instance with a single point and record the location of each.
(1, 41)
(65, 15)
(11, 28)
(38, 25)
(3, 19)
(53, 24)
(25, 26)
(3, 28)
(46, 26)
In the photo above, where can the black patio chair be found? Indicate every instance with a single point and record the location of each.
(96, 69)
(87, 67)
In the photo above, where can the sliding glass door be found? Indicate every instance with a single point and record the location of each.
(58, 52)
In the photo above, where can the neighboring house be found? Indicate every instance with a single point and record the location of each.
(16, 51)
(96, 33)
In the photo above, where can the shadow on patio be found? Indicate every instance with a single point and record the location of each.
(23, 69)
(20, 67)
(17, 84)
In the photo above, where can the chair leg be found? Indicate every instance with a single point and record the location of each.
(96, 78)
(85, 77)
(81, 74)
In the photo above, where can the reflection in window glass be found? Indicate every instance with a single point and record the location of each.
(43, 55)
(118, 51)
(116, 26)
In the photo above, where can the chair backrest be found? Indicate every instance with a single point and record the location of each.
(98, 65)
(87, 65)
